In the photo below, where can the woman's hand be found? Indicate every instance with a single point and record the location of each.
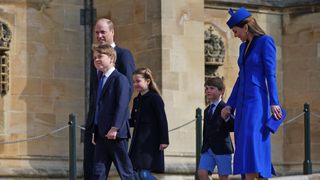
(276, 111)
(163, 146)
(225, 112)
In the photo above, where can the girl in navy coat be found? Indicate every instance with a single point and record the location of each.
(252, 99)
(150, 135)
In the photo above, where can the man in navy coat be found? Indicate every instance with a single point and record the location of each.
(104, 33)
(111, 129)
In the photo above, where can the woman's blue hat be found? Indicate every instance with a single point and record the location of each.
(235, 18)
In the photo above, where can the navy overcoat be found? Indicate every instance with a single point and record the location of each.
(150, 130)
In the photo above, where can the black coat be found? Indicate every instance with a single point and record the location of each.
(216, 132)
(150, 130)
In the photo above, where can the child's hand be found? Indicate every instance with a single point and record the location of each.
(94, 143)
(163, 146)
(225, 112)
(112, 133)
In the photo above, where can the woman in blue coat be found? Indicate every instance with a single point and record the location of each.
(252, 97)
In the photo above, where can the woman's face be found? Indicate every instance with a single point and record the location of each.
(241, 32)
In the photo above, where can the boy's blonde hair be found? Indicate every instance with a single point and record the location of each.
(105, 49)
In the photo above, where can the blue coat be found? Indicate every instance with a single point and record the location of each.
(251, 98)
(150, 130)
(113, 106)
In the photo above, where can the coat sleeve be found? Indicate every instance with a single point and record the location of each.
(233, 97)
(230, 123)
(158, 106)
(127, 66)
(232, 101)
(269, 59)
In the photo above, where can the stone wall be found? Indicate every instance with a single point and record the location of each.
(46, 85)
(152, 31)
(183, 77)
(47, 74)
(301, 82)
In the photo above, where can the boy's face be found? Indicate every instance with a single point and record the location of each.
(103, 62)
(213, 93)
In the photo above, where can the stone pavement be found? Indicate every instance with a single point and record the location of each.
(296, 177)
(299, 177)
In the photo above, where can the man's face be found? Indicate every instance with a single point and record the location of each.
(103, 34)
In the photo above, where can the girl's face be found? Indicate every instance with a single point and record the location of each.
(241, 32)
(141, 84)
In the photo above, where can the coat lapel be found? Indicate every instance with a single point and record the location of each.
(107, 84)
(217, 112)
(250, 49)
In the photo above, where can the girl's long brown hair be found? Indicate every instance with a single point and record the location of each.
(147, 74)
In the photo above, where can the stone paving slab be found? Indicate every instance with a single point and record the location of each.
(299, 177)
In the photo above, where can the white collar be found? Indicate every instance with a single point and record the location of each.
(107, 74)
(216, 103)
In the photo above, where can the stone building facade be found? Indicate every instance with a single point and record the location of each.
(47, 68)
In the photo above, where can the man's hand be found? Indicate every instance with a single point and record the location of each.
(112, 134)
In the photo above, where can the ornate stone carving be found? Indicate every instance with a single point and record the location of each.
(5, 39)
(214, 48)
(5, 35)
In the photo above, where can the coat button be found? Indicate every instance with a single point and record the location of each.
(135, 110)
(135, 120)
(137, 99)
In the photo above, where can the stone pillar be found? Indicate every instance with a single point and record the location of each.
(182, 77)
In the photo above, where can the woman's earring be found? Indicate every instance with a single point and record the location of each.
(246, 32)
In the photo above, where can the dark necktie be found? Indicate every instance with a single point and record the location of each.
(98, 96)
(210, 110)
(99, 75)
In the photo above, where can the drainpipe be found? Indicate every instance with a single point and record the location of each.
(88, 19)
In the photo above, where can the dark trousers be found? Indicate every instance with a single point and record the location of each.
(88, 155)
(108, 151)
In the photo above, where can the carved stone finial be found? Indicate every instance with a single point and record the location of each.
(5, 39)
(214, 48)
(5, 35)
(210, 30)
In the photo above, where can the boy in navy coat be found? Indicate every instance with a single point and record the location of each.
(111, 127)
(217, 146)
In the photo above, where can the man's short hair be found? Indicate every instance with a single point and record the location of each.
(108, 22)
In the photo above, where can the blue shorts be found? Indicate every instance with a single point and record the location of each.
(209, 161)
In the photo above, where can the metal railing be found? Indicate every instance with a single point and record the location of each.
(307, 165)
